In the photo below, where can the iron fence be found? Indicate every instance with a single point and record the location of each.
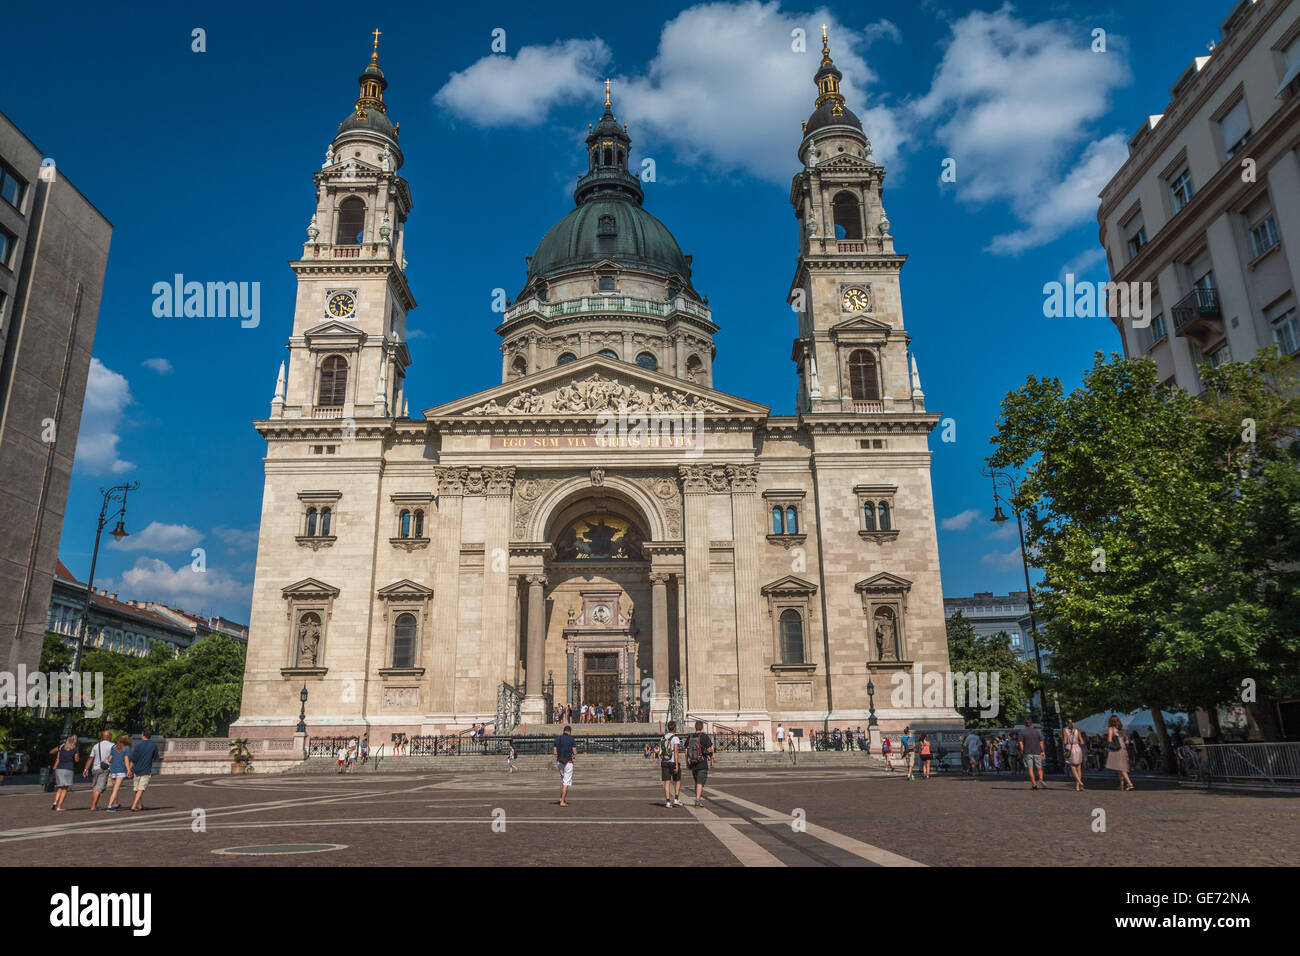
(1275, 763)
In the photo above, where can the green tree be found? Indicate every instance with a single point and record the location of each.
(1156, 529)
(969, 652)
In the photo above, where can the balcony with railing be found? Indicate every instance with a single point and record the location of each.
(1198, 315)
(597, 304)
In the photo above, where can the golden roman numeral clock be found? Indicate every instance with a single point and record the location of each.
(341, 305)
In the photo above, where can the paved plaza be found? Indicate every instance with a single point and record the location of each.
(752, 817)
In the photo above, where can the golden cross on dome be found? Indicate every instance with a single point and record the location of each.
(607, 93)
(377, 35)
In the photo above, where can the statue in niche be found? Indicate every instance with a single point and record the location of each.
(308, 644)
(886, 645)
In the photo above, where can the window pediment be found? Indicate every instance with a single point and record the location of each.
(309, 588)
(788, 586)
(405, 590)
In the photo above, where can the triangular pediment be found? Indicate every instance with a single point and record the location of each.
(405, 588)
(884, 581)
(861, 323)
(333, 328)
(590, 386)
(789, 585)
(309, 586)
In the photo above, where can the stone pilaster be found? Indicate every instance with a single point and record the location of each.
(495, 646)
(659, 644)
(442, 666)
(749, 626)
(696, 484)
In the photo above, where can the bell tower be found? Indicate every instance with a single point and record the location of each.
(348, 354)
(851, 350)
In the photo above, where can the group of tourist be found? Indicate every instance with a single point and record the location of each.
(112, 762)
(844, 740)
(356, 751)
(696, 753)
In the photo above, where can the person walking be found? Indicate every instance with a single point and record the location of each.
(699, 758)
(563, 749)
(142, 757)
(885, 747)
(343, 758)
(365, 748)
(65, 762)
(511, 755)
(670, 768)
(1032, 753)
(906, 741)
(119, 766)
(972, 745)
(1117, 758)
(97, 760)
(1074, 754)
(780, 737)
(924, 747)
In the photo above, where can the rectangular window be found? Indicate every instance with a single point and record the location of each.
(1136, 241)
(7, 244)
(1180, 189)
(1286, 329)
(1218, 357)
(1263, 236)
(1158, 327)
(1234, 129)
(12, 187)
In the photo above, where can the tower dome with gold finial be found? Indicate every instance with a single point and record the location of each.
(369, 116)
(829, 109)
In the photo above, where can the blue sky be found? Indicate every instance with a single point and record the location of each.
(203, 163)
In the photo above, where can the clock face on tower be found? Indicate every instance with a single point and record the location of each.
(856, 299)
(342, 304)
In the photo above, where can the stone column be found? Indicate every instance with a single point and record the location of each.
(749, 636)
(533, 709)
(659, 646)
(532, 352)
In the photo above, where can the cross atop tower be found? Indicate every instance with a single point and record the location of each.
(607, 103)
(377, 35)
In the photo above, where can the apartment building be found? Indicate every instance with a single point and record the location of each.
(53, 253)
(1207, 206)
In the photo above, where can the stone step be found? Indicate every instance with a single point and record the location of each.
(534, 763)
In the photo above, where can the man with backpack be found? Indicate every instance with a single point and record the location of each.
(699, 757)
(670, 768)
(97, 762)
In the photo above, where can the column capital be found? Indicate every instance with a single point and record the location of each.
(451, 481)
(499, 480)
(660, 578)
(744, 478)
(704, 479)
(535, 580)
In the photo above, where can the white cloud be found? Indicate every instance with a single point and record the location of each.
(108, 393)
(1003, 561)
(1069, 203)
(1084, 263)
(153, 579)
(503, 90)
(961, 521)
(1005, 530)
(1014, 102)
(160, 537)
(724, 87)
(159, 365)
(238, 539)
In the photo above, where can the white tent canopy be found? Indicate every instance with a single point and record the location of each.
(1139, 720)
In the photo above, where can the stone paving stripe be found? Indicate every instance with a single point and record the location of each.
(745, 850)
(866, 851)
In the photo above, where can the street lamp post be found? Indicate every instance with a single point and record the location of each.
(116, 493)
(998, 518)
(302, 714)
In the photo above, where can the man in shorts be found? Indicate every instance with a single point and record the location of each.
(142, 758)
(704, 759)
(670, 767)
(97, 760)
(563, 749)
(1032, 753)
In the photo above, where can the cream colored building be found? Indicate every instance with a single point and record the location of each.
(603, 525)
(1207, 206)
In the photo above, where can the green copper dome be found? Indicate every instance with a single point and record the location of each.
(609, 228)
(609, 222)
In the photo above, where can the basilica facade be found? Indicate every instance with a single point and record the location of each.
(603, 525)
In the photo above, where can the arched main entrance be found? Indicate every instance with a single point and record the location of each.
(597, 608)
